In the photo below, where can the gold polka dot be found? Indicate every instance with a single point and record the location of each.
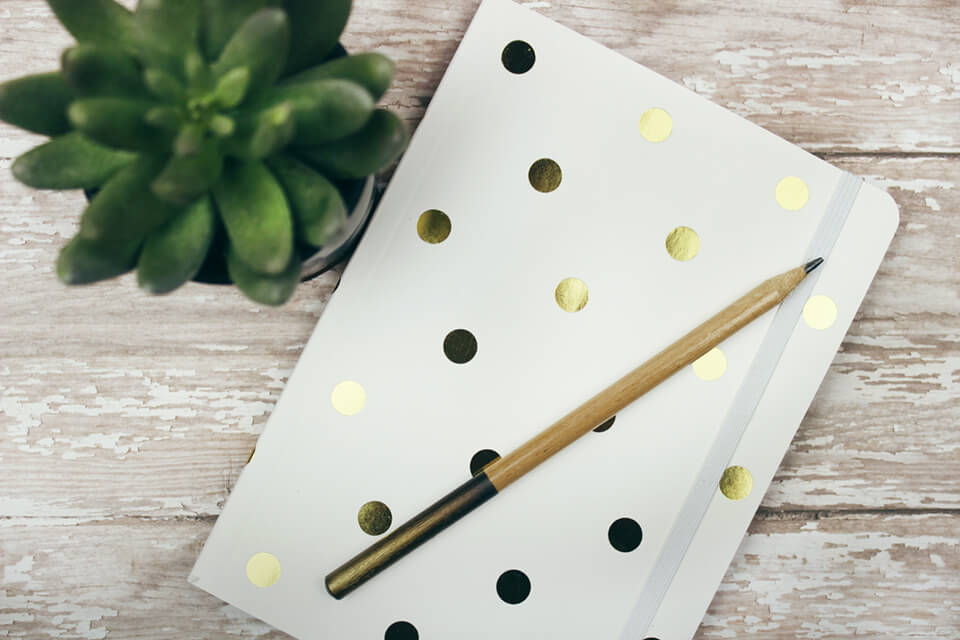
(711, 365)
(348, 397)
(736, 483)
(545, 175)
(820, 312)
(374, 518)
(683, 244)
(656, 125)
(433, 226)
(263, 569)
(792, 193)
(572, 294)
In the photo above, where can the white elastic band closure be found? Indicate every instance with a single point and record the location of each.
(744, 404)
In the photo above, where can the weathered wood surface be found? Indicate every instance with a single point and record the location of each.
(125, 419)
(829, 75)
(883, 577)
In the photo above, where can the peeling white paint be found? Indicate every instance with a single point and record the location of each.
(221, 347)
(818, 59)
(19, 571)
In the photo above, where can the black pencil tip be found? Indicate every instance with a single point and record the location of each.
(813, 264)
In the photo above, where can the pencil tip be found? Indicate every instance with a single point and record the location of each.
(813, 264)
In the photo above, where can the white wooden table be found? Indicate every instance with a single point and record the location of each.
(125, 419)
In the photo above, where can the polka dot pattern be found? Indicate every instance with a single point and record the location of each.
(711, 365)
(625, 534)
(433, 226)
(545, 175)
(401, 630)
(656, 125)
(683, 244)
(513, 586)
(736, 483)
(348, 397)
(572, 294)
(820, 312)
(460, 346)
(792, 193)
(374, 518)
(518, 57)
(263, 569)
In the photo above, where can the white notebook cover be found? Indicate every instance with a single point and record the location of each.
(510, 245)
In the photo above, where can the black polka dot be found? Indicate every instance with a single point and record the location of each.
(401, 630)
(460, 346)
(513, 586)
(606, 425)
(625, 534)
(481, 459)
(518, 57)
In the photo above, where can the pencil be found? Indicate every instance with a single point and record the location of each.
(501, 473)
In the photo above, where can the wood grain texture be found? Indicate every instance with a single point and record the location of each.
(125, 419)
(829, 75)
(883, 577)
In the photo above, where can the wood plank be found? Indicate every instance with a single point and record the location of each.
(114, 403)
(828, 76)
(886, 577)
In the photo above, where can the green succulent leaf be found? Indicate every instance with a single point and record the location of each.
(165, 117)
(37, 103)
(125, 211)
(105, 21)
(197, 70)
(318, 210)
(316, 28)
(222, 126)
(186, 178)
(189, 139)
(85, 261)
(372, 71)
(93, 70)
(71, 161)
(256, 215)
(262, 134)
(261, 45)
(324, 110)
(164, 85)
(273, 290)
(174, 22)
(232, 88)
(222, 18)
(202, 161)
(175, 252)
(120, 123)
(96, 21)
(369, 150)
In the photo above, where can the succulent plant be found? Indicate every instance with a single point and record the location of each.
(211, 135)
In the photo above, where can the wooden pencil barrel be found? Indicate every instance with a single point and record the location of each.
(614, 398)
(501, 473)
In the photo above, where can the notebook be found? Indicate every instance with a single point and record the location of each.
(562, 214)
